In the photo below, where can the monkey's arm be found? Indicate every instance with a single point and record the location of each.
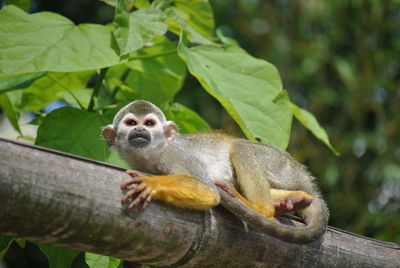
(179, 190)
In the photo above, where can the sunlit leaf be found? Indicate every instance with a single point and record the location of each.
(187, 120)
(134, 29)
(50, 42)
(195, 17)
(310, 122)
(61, 130)
(141, 3)
(156, 74)
(99, 261)
(250, 89)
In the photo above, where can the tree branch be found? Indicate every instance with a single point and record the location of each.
(60, 199)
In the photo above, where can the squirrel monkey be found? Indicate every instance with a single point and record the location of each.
(190, 168)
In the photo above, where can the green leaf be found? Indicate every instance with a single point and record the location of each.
(52, 87)
(310, 122)
(9, 111)
(99, 261)
(5, 243)
(49, 42)
(17, 82)
(130, 3)
(74, 131)
(187, 120)
(156, 79)
(226, 40)
(141, 3)
(83, 95)
(194, 17)
(134, 29)
(58, 257)
(250, 89)
(21, 242)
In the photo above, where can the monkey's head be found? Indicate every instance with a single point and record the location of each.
(139, 126)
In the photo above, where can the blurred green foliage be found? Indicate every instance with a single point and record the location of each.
(340, 60)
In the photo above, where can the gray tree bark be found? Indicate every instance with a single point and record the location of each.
(59, 199)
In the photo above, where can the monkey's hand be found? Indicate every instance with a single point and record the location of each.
(142, 191)
(179, 190)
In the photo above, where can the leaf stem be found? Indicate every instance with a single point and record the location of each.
(122, 79)
(141, 57)
(67, 89)
(96, 88)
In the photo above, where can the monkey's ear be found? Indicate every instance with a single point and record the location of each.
(170, 129)
(109, 135)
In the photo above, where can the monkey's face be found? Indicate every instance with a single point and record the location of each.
(140, 132)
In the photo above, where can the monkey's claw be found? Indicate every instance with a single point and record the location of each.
(141, 193)
(132, 173)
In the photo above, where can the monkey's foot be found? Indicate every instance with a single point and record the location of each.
(290, 204)
(140, 194)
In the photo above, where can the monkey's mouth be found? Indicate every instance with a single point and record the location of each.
(139, 139)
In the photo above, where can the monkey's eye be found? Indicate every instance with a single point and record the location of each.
(130, 122)
(149, 123)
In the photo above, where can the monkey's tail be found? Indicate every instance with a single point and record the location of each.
(315, 217)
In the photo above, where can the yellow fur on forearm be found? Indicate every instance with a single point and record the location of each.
(182, 191)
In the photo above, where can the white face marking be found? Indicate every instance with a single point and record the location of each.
(149, 122)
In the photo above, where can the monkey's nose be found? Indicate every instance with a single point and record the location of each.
(140, 129)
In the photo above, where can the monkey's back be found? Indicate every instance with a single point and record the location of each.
(279, 167)
(214, 155)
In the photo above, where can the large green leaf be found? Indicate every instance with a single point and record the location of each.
(195, 17)
(49, 42)
(51, 87)
(17, 82)
(250, 89)
(58, 257)
(134, 29)
(99, 261)
(74, 131)
(156, 74)
(310, 122)
(187, 120)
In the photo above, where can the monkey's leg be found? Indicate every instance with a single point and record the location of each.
(250, 177)
(284, 201)
(235, 193)
(179, 190)
(289, 201)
